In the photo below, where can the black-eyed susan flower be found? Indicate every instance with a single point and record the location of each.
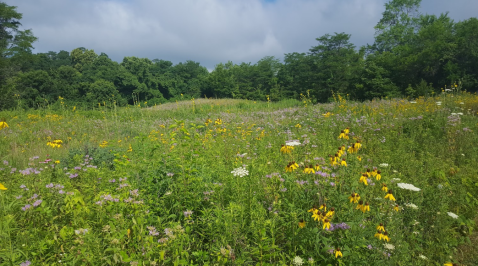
(380, 227)
(302, 223)
(3, 124)
(130, 149)
(359, 206)
(351, 149)
(385, 236)
(379, 235)
(450, 264)
(366, 207)
(309, 169)
(323, 206)
(390, 196)
(208, 121)
(317, 216)
(347, 130)
(359, 158)
(286, 149)
(313, 209)
(343, 135)
(363, 179)
(337, 253)
(331, 212)
(384, 187)
(317, 167)
(2, 187)
(218, 121)
(355, 197)
(343, 163)
(104, 144)
(358, 145)
(396, 208)
(326, 224)
(379, 175)
(368, 173)
(294, 165)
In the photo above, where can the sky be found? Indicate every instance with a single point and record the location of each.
(207, 31)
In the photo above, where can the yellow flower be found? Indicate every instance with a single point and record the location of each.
(312, 210)
(351, 149)
(366, 207)
(343, 135)
(3, 124)
(57, 161)
(363, 179)
(104, 144)
(302, 223)
(343, 163)
(396, 208)
(286, 149)
(379, 175)
(359, 206)
(326, 224)
(317, 167)
(384, 187)
(323, 206)
(379, 235)
(130, 149)
(359, 158)
(298, 126)
(390, 196)
(309, 170)
(330, 213)
(337, 253)
(449, 264)
(317, 216)
(380, 227)
(385, 236)
(358, 145)
(2, 187)
(347, 130)
(354, 197)
(218, 121)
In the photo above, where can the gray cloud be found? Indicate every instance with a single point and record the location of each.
(207, 31)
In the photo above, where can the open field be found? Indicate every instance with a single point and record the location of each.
(237, 182)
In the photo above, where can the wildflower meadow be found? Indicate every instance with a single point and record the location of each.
(237, 182)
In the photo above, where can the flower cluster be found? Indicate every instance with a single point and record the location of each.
(240, 171)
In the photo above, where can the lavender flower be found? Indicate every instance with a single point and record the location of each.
(37, 203)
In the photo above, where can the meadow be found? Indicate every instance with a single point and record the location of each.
(237, 182)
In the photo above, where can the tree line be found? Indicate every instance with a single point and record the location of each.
(413, 55)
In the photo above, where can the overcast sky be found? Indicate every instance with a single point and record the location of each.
(207, 31)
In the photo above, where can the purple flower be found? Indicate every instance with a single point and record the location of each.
(37, 203)
(188, 213)
(77, 168)
(26, 263)
(26, 207)
(112, 180)
(5, 162)
(34, 196)
(369, 246)
(73, 175)
(61, 191)
(332, 184)
(134, 192)
(19, 197)
(284, 189)
(49, 185)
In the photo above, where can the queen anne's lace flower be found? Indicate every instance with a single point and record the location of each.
(241, 172)
(292, 143)
(408, 186)
(452, 215)
(411, 205)
(298, 261)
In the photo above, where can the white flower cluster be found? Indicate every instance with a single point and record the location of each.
(384, 165)
(241, 172)
(292, 143)
(456, 113)
(408, 186)
(298, 261)
(389, 246)
(452, 215)
(411, 205)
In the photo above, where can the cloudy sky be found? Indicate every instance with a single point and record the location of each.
(207, 31)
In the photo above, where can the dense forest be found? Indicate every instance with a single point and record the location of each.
(413, 55)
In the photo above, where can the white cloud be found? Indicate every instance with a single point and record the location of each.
(207, 31)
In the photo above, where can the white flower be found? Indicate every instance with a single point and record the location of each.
(298, 261)
(395, 179)
(241, 171)
(408, 186)
(416, 232)
(462, 103)
(292, 143)
(440, 186)
(384, 165)
(438, 103)
(413, 102)
(452, 215)
(411, 205)
(422, 257)
(388, 246)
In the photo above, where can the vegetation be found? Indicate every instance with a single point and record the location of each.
(237, 182)
(413, 55)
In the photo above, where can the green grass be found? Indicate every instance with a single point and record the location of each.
(153, 185)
